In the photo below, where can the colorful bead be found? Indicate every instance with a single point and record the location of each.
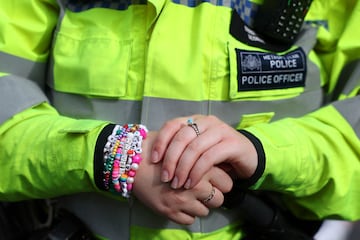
(137, 158)
(129, 180)
(132, 173)
(122, 157)
(135, 166)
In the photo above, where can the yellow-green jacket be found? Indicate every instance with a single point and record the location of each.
(68, 68)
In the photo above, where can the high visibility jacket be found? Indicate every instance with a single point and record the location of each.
(68, 68)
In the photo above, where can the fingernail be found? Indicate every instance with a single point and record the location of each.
(187, 184)
(155, 156)
(165, 176)
(174, 182)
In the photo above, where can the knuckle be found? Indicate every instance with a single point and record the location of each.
(178, 200)
(196, 188)
(206, 157)
(168, 124)
(193, 147)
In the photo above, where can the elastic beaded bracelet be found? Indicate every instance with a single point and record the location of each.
(111, 151)
(122, 156)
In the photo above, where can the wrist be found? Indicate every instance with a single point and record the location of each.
(260, 166)
(117, 157)
(240, 186)
(99, 155)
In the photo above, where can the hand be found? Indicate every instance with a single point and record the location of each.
(187, 157)
(181, 205)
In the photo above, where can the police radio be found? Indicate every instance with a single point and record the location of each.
(281, 20)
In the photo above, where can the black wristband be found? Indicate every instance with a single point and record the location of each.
(236, 195)
(99, 155)
(246, 183)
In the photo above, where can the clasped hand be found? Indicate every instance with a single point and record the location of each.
(184, 173)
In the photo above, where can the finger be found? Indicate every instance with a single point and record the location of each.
(190, 155)
(182, 218)
(215, 198)
(185, 203)
(197, 209)
(208, 194)
(220, 179)
(181, 206)
(174, 151)
(189, 211)
(165, 134)
(217, 154)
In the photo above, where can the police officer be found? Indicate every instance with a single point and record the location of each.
(76, 76)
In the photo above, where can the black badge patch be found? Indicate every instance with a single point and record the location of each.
(265, 71)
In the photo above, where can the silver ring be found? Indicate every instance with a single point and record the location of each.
(211, 196)
(193, 125)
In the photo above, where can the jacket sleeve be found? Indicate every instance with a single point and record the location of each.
(46, 155)
(42, 153)
(314, 160)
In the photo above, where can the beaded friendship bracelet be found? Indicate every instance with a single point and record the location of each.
(122, 156)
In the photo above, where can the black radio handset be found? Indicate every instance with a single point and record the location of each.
(281, 20)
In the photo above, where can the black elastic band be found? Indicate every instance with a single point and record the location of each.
(246, 183)
(236, 196)
(99, 155)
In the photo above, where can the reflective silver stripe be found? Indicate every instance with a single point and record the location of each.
(348, 81)
(78, 106)
(112, 218)
(144, 217)
(350, 110)
(23, 68)
(230, 112)
(349, 78)
(307, 38)
(17, 94)
(153, 112)
(61, 4)
(147, 111)
(104, 216)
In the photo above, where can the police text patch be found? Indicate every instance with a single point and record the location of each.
(262, 71)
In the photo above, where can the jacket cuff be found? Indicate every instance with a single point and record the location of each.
(236, 195)
(99, 155)
(246, 183)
